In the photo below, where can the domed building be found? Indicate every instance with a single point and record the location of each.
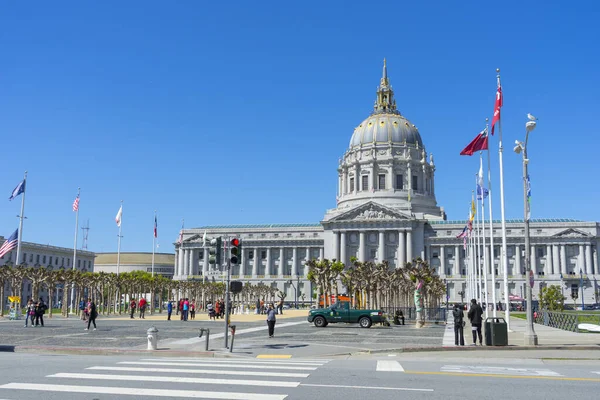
(386, 209)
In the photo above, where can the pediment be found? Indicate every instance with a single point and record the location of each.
(371, 212)
(197, 238)
(571, 233)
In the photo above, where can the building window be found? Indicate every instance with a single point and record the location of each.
(276, 235)
(415, 181)
(68, 262)
(302, 235)
(30, 257)
(251, 255)
(365, 183)
(44, 260)
(263, 254)
(315, 234)
(540, 252)
(381, 182)
(250, 235)
(50, 260)
(78, 264)
(289, 235)
(373, 254)
(399, 182)
(351, 184)
(56, 261)
(510, 251)
(63, 262)
(434, 255)
(201, 254)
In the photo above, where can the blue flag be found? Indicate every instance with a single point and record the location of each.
(18, 190)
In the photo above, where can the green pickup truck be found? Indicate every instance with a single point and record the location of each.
(341, 312)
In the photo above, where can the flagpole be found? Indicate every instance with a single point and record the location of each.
(21, 218)
(503, 217)
(75, 253)
(485, 249)
(154, 242)
(118, 299)
(477, 273)
(492, 255)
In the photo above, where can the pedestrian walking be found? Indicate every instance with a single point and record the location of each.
(92, 314)
(142, 306)
(186, 309)
(169, 310)
(193, 309)
(475, 316)
(459, 323)
(271, 320)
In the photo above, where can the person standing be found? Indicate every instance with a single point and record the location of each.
(142, 307)
(169, 310)
(93, 314)
(29, 312)
(132, 305)
(193, 309)
(40, 310)
(186, 309)
(459, 318)
(475, 316)
(271, 320)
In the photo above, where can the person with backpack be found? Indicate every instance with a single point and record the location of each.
(475, 316)
(459, 323)
(169, 310)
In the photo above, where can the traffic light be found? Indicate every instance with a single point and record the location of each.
(214, 252)
(235, 251)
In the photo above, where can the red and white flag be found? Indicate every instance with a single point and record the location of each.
(118, 217)
(76, 204)
(497, 106)
(155, 227)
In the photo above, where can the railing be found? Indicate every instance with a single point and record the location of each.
(410, 313)
(565, 321)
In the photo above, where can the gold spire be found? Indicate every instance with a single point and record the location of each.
(385, 102)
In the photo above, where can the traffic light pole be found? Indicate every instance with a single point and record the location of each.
(227, 300)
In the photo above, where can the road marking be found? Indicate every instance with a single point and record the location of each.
(170, 393)
(195, 340)
(392, 355)
(367, 387)
(274, 356)
(238, 361)
(498, 370)
(386, 365)
(203, 371)
(218, 365)
(174, 379)
(552, 378)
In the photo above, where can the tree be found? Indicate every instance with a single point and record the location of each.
(552, 299)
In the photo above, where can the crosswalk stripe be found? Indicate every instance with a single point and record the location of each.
(171, 393)
(238, 361)
(174, 379)
(217, 365)
(387, 365)
(202, 371)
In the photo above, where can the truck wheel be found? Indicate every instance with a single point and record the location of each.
(320, 322)
(365, 322)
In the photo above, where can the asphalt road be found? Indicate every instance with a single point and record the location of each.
(389, 376)
(293, 336)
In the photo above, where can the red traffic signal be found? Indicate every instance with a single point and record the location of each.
(235, 242)
(234, 251)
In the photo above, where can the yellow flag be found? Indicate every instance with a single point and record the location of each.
(473, 210)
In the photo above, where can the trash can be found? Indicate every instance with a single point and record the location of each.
(496, 332)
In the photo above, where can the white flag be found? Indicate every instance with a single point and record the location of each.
(118, 217)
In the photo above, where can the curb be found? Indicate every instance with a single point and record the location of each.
(475, 348)
(113, 351)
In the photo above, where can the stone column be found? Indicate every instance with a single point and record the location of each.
(373, 178)
(181, 262)
(517, 268)
(255, 263)
(281, 271)
(390, 180)
(409, 180)
(294, 261)
(533, 256)
(321, 254)
(443, 260)
(595, 260)
(196, 265)
(457, 267)
(409, 246)
(381, 250)
(340, 180)
(268, 267)
(176, 269)
(343, 249)
(336, 245)
(356, 178)
(305, 269)
(549, 267)
(361, 246)
(580, 260)
(555, 259)
(401, 249)
(588, 259)
(205, 261)
(424, 184)
(563, 259)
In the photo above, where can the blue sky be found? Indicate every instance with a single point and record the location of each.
(237, 112)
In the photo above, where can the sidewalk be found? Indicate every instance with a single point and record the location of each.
(547, 336)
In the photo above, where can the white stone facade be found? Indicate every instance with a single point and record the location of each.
(387, 210)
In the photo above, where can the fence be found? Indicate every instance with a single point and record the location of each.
(565, 321)
(410, 313)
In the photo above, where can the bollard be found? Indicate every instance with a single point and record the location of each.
(152, 338)
(202, 330)
(232, 327)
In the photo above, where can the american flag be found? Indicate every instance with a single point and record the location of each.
(76, 204)
(9, 244)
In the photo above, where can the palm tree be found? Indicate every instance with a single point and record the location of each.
(5, 272)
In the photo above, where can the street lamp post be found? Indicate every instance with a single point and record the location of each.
(530, 337)
(295, 289)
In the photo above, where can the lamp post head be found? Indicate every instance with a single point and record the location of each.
(530, 126)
